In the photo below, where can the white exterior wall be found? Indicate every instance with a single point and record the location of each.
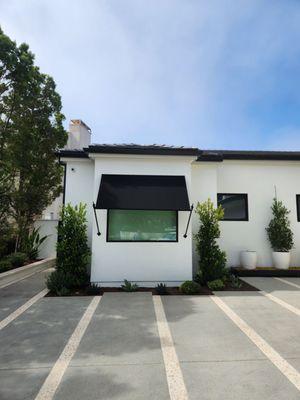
(204, 186)
(79, 186)
(145, 263)
(149, 263)
(47, 228)
(257, 179)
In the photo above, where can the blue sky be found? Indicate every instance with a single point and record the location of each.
(218, 74)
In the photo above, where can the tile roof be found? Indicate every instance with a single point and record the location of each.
(202, 155)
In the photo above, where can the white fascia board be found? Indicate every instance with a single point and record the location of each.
(143, 157)
(263, 162)
(75, 159)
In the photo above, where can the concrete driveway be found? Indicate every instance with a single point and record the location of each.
(234, 345)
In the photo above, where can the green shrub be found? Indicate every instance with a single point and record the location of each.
(235, 282)
(190, 287)
(59, 282)
(7, 240)
(93, 289)
(129, 287)
(216, 284)
(73, 253)
(64, 292)
(5, 265)
(212, 261)
(161, 289)
(279, 232)
(17, 259)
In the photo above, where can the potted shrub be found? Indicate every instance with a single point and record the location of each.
(280, 235)
(248, 259)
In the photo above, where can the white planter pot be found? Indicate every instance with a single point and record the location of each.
(281, 260)
(249, 259)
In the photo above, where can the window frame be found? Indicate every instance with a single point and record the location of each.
(139, 241)
(245, 197)
(298, 207)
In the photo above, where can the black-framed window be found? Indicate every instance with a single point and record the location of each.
(235, 206)
(142, 226)
(298, 206)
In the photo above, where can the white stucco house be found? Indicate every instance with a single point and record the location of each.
(141, 197)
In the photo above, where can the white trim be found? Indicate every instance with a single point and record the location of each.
(167, 157)
(75, 159)
(177, 389)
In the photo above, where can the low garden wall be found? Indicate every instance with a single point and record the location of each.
(26, 270)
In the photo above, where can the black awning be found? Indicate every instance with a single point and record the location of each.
(143, 192)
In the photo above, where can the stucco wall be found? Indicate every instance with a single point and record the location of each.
(47, 228)
(257, 179)
(79, 187)
(149, 263)
(146, 263)
(204, 186)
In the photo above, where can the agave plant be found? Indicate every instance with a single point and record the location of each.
(32, 243)
(129, 287)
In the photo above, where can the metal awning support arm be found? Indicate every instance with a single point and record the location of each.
(189, 220)
(98, 231)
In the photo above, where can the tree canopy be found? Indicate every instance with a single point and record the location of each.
(31, 130)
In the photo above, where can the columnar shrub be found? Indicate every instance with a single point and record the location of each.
(212, 261)
(73, 253)
(279, 232)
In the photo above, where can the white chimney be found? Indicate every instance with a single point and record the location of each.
(79, 135)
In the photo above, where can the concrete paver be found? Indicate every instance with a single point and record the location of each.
(21, 384)
(123, 331)
(202, 332)
(278, 326)
(15, 295)
(283, 291)
(237, 380)
(122, 348)
(120, 357)
(218, 361)
(126, 382)
(34, 341)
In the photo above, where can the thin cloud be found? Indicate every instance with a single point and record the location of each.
(218, 74)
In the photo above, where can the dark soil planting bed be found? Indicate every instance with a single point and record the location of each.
(170, 291)
(266, 272)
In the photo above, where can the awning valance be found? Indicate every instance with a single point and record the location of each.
(143, 192)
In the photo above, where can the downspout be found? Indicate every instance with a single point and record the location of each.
(64, 180)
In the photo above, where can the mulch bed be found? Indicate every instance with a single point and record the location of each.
(171, 291)
(86, 291)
